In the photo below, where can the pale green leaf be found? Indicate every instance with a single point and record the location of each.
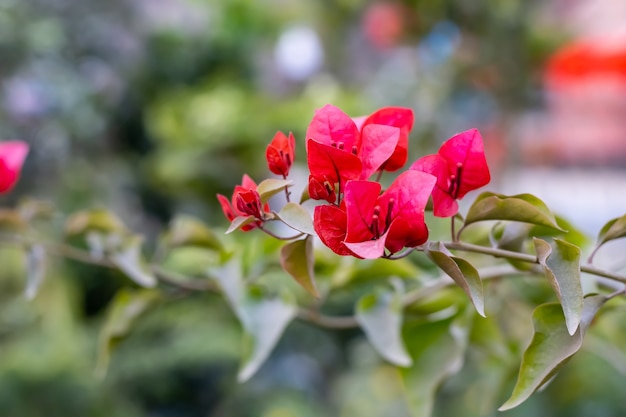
(461, 271)
(263, 317)
(297, 260)
(100, 220)
(613, 229)
(524, 208)
(239, 222)
(129, 260)
(551, 347)
(124, 310)
(297, 217)
(272, 186)
(437, 350)
(264, 320)
(188, 231)
(561, 263)
(380, 316)
(35, 269)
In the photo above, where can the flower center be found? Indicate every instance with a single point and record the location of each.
(455, 181)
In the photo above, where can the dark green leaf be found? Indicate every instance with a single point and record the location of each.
(461, 271)
(297, 260)
(551, 347)
(124, 310)
(524, 208)
(296, 217)
(380, 316)
(561, 263)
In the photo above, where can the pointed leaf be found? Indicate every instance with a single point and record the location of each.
(551, 347)
(189, 231)
(297, 260)
(124, 310)
(461, 271)
(561, 263)
(613, 229)
(239, 222)
(129, 260)
(437, 352)
(264, 320)
(380, 316)
(297, 217)
(271, 187)
(35, 269)
(263, 317)
(524, 208)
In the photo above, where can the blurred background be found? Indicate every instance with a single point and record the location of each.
(150, 108)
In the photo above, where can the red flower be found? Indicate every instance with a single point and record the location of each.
(460, 167)
(280, 153)
(400, 117)
(368, 222)
(12, 155)
(245, 201)
(338, 152)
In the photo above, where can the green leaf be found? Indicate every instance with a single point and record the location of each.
(437, 350)
(129, 260)
(270, 187)
(561, 263)
(380, 316)
(296, 217)
(297, 260)
(101, 220)
(613, 229)
(263, 317)
(264, 320)
(461, 271)
(189, 231)
(124, 310)
(239, 222)
(35, 269)
(551, 347)
(524, 208)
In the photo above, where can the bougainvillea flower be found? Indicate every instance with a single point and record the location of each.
(338, 152)
(367, 223)
(400, 117)
(328, 166)
(12, 156)
(280, 153)
(245, 201)
(460, 167)
(330, 223)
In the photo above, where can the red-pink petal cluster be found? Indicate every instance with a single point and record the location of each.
(12, 156)
(369, 222)
(460, 167)
(245, 201)
(340, 148)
